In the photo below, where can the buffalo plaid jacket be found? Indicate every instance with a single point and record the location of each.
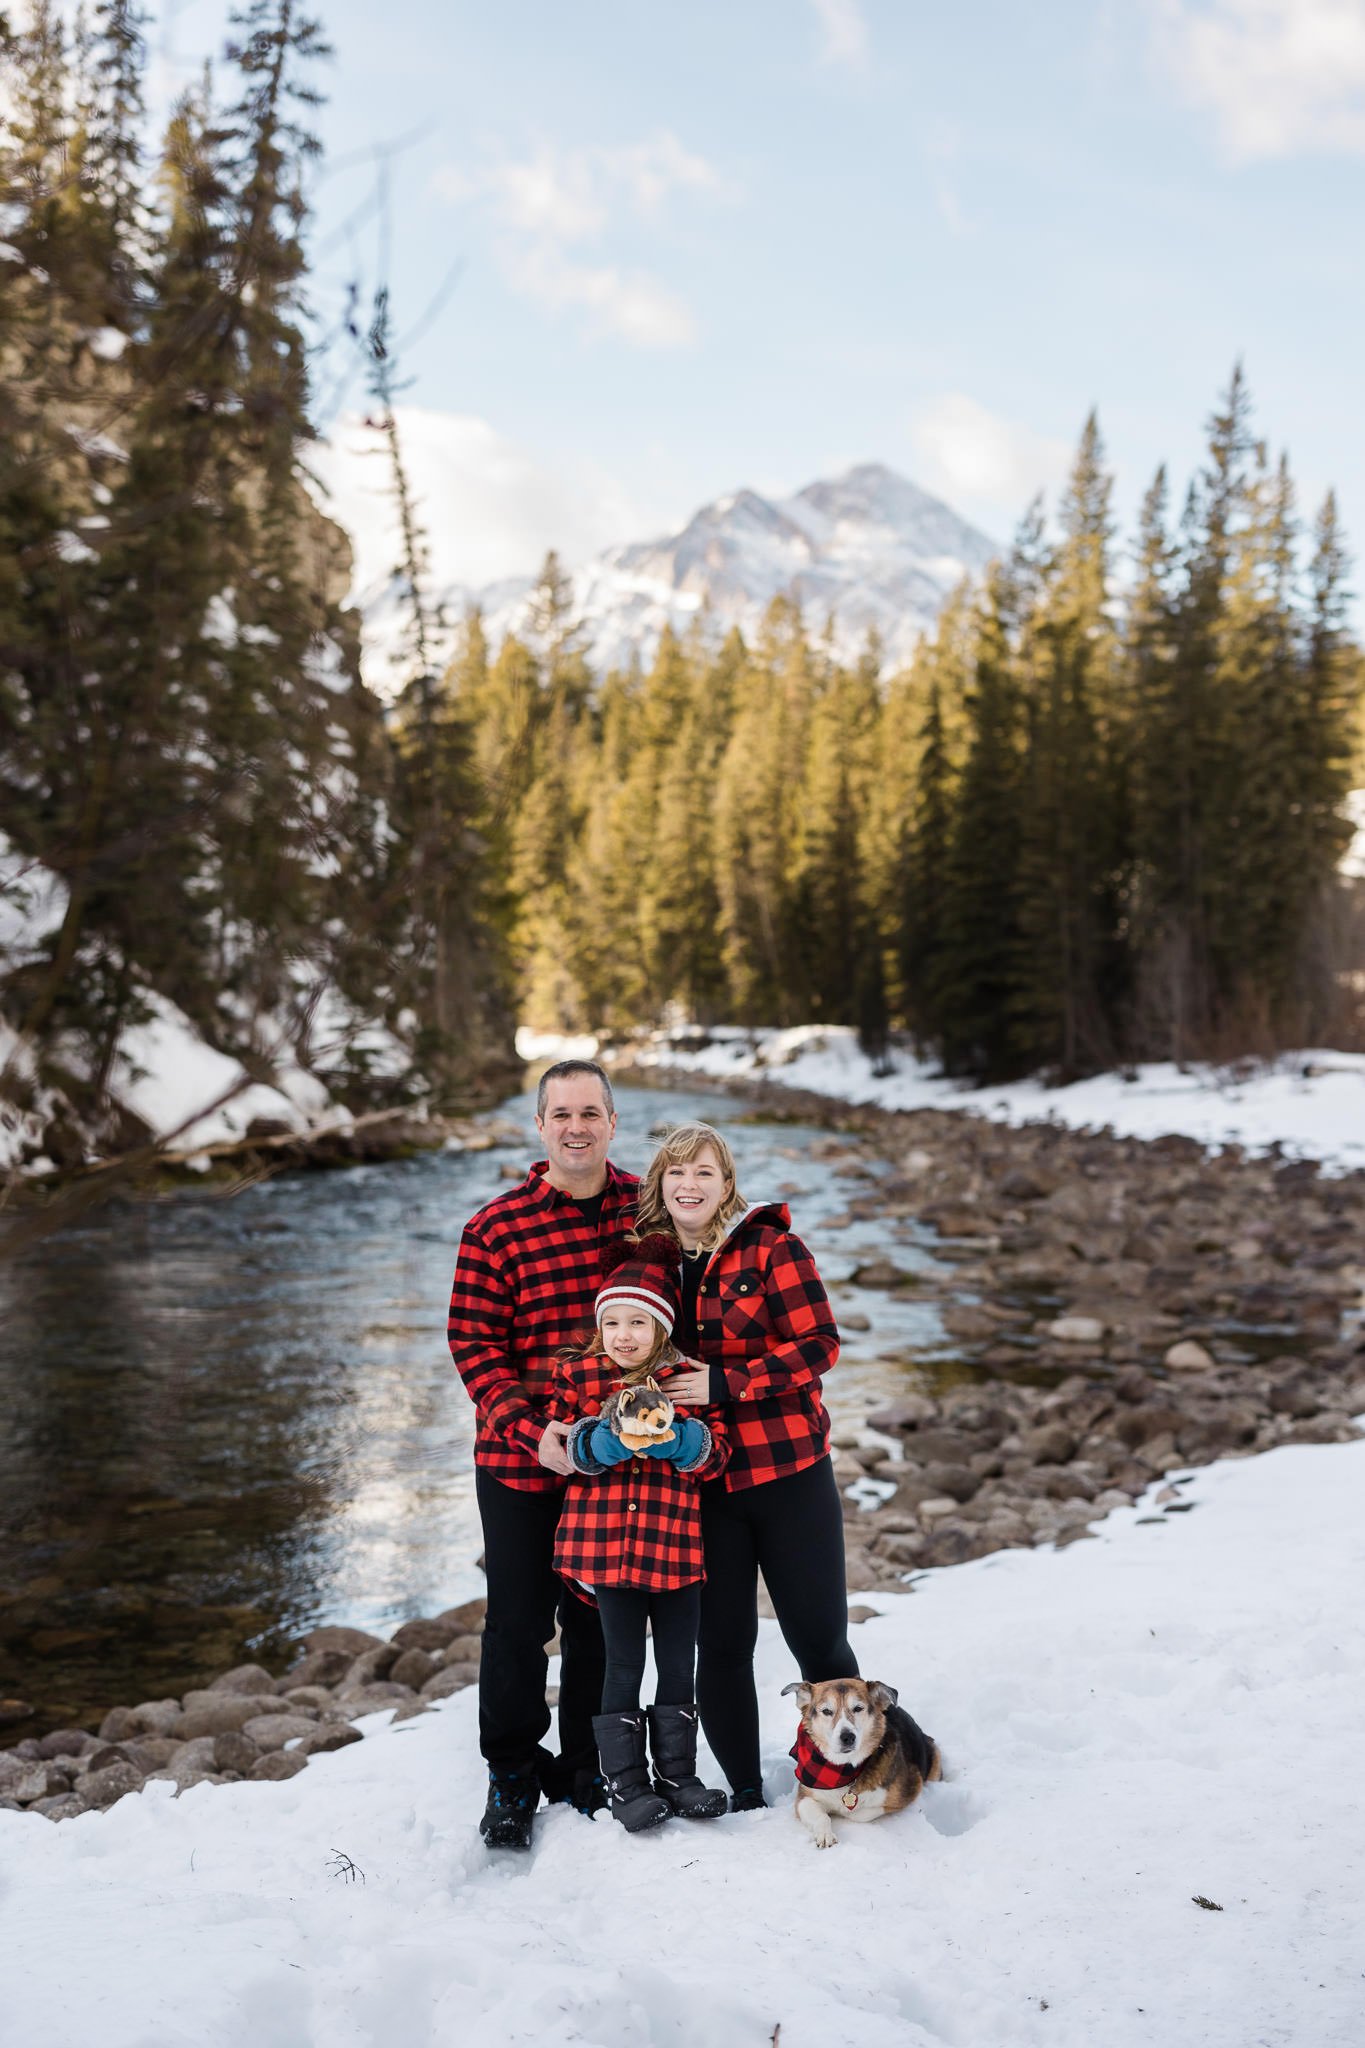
(529, 1268)
(767, 1331)
(638, 1523)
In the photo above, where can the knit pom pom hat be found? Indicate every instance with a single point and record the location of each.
(644, 1275)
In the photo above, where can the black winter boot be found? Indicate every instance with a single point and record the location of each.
(512, 1800)
(673, 1745)
(621, 1746)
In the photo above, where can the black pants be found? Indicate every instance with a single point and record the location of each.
(673, 1619)
(525, 1597)
(792, 1530)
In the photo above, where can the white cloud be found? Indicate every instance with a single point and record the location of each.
(490, 508)
(983, 465)
(844, 26)
(548, 206)
(1278, 76)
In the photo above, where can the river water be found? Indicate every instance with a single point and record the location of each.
(224, 1421)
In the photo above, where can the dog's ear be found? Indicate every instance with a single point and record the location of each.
(882, 1696)
(802, 1691)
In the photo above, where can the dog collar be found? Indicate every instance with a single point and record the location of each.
(814, 1768)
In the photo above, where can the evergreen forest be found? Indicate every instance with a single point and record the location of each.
(1099, 817)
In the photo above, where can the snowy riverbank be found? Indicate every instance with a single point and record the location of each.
(1167, 1713)
(1311, 1103)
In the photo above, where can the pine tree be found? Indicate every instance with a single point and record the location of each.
(1070, 850)
(981, 938)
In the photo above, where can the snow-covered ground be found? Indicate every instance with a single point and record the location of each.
(1166, 1714)
(1311, 1103)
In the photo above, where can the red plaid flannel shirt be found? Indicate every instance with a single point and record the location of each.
(527, 1276)
(638, 1523)
(764, 1318)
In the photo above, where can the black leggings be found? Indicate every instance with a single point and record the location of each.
(673, 1620)
(793, 1531)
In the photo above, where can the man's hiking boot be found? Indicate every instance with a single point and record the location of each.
(512, 1800)
(621, 1746)
(673, 1746)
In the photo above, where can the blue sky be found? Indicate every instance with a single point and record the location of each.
(755, 242)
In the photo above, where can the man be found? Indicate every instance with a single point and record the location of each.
(528, 1271)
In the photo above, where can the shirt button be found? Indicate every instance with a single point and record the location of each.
(631, 1506)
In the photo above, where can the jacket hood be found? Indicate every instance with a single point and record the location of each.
(776, 1213)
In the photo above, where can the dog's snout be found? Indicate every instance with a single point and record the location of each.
(847, 1738)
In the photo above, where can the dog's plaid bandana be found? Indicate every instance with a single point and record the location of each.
(814, 1768)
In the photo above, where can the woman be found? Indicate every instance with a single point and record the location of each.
(755, 1313)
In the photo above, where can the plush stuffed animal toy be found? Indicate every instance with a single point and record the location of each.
(641, 1416)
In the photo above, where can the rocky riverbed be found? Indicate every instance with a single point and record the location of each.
(1121, 1311)
(247, 1723)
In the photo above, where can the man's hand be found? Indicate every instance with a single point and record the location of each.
(691, 1386)
(553, 1450)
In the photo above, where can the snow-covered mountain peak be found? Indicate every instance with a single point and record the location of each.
(866, 550)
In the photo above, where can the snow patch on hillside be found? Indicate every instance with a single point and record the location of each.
(1149, 1833)
(180, 1088)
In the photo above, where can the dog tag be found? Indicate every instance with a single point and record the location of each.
(850, 1800)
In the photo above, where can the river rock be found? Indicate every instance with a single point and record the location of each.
(315, 1696)
(322, 1740)
(1052, 1444)
(149, 1752)
(352, 1641)
(879, 1273)
(319, 1667)
(413, 1669)
(42, 1781)
(370, 1667)
(1076, 1330)
(100, 1789)
(449, 1679)
(273, 1731)
(221, 1713)
(106, 1753)
(461, 1650)
(244, 1678)
(13, 1770)
(954, 1480)
(1188, 1356)
(1294, 1397)
(67, 1742)
(373, 1699)
(277, 1765)
(466, 1619)
(63, 1806)
(234, 1751)
(907, 1412)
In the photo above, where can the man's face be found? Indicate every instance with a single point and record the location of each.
(576, 1129)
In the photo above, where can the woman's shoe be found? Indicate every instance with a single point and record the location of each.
(673, 1745)
(621, 1746)
(748, 1799)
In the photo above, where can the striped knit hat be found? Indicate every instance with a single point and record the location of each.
(643, 1274)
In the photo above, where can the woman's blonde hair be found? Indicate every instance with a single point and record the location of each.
(679, 1147)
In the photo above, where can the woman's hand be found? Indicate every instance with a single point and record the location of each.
(691, 1385)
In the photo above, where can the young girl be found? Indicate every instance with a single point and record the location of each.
(630, 1532)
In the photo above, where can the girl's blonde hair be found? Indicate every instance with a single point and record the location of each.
(679, 1147)
(661, 1352)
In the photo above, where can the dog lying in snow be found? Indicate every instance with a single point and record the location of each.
(858, 1755)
